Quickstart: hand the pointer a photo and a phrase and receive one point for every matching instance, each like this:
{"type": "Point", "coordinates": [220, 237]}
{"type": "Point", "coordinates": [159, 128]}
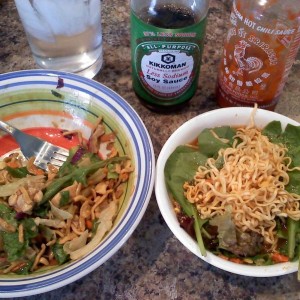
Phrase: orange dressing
{"type": "Point", "coordinates": [52, 135]}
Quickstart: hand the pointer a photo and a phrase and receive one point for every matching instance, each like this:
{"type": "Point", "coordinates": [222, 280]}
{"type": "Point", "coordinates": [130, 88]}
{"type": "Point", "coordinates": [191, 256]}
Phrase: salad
{"type": "Point", "coordinates": [48, 218]}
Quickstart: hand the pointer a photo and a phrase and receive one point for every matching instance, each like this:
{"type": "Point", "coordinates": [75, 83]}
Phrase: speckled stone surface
{"type": "Point", "coordinates": [153, 264]}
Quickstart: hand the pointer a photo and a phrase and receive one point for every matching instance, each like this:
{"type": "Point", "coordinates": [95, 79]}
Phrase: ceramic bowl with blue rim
{"type": "Point", "coordinates": [40, 99]}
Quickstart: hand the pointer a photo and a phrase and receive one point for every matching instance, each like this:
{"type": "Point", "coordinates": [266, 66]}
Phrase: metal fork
{"type": "Point", "coordinates": [31, 146]}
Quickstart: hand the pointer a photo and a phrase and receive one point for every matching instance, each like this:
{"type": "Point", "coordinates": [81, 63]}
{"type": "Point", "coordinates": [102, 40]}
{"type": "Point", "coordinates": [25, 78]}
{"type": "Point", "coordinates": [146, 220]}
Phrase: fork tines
{"type": "Point", "coordinates": [59, 157]}
{"type": "Point", "coordinates": [51, 154]}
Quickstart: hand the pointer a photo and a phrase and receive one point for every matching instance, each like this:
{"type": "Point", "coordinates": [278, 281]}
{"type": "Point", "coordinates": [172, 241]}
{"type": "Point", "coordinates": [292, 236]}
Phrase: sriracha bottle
{"type": "Point", "coordinates": [259, 51]}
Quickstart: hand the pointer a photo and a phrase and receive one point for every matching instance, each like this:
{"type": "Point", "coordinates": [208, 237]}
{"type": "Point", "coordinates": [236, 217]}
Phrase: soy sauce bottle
{"type": "Point", "coordinates": [166, 48]}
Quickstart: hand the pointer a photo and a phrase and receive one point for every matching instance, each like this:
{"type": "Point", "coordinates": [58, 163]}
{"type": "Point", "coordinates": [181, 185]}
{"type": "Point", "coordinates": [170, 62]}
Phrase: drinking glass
{"type": "Point", "coordinates": [64, 35]}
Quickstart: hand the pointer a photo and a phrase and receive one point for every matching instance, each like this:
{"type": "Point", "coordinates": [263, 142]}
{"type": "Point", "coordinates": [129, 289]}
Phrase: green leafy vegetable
{"type": "Point", "coordinates": [274, 132]}
{"type": "Point", "coordinates": [17, 172]}
{"type": "Point", "coordinates": [181, 167]}
{"type": "Point", "coordinates": [64, 199]}
{"type": "Point", "coordinates": [12, 246]}
{"type": "Point", "coordinates": [112, 174]}
{"type": "Point", "coordinates": [95, 226]}
{"type": "Point", "coordinates": [30, 228]}
{"type": "Point", "coordinates": [41, 210]}
{"type": "Point", "coordinates": [25, 268]}
{"type": "Point", "coordinates": [290, 138]}
{"type": "Point", "coordinates": [262, 260]}
{"type": "Point", "coordinates": [7, 214]}
{"type": "Point", "coordinates": [78, 174]}
{"type": "Point", "coordinates": [198, 224]}
{"type": "Point", "coordinates": [67, 166]}
{"type": "Point", "coordinates": [60, 255]}
{"type": "Point", "coordinates": [46, 232]}
{"type": "Point", "coordinates": [209, 145]}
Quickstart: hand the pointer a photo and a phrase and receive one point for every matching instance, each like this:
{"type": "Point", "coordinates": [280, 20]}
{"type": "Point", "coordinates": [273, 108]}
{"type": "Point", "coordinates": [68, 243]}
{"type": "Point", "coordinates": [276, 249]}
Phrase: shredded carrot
{"type": "Point", "coordinates": [89, 224]}
{"type": "Point", "coordinates": [13, 164]}
{"type": "Point", "coordinates": [53, 262]}
{"type": "Point", "coordinates": [278, 258]}
{"type": "Point", "coordinates": [223, 256]}
{"type": "Point", "coordinates": [236, 260]}
{"type": "Point", "coordinates": [109, 137]}
{"type": "Point", "coordinates": [38, 172]}
{"type": "Point", "coordinates": [18, 267]}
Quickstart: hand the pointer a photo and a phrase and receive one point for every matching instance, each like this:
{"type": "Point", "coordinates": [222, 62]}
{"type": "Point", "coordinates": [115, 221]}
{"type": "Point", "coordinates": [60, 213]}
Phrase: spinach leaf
{"type": "Point", "coordinates": [273, 131]}
{"type": "Point", "coordinates": [180, 167]}
{"type": "Point", "coordinates": [294, 179]}
{"type": "Point", "coordinates": [209, 145]}
{"type": "Point", "coordinates": [290, 137]}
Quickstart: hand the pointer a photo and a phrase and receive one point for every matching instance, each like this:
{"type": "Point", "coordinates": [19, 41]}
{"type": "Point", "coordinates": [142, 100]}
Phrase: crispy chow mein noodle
{"type": "Point", "coordinates": [78, 215]}
{"type": "Point", "coordinates": [251, 183]}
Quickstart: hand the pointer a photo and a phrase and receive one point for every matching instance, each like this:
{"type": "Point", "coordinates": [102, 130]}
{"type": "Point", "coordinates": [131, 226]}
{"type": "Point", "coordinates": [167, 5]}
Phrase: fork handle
{"type": "Point", "coordinates": [7, 128]}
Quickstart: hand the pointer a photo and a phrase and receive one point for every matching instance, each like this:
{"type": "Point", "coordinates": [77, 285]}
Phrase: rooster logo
{"type": "Point", "coordinates": [249, 64]}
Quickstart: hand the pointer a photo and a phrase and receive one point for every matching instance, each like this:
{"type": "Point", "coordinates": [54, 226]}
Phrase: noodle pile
{"type": "Point", "coordinates": [251, 183]}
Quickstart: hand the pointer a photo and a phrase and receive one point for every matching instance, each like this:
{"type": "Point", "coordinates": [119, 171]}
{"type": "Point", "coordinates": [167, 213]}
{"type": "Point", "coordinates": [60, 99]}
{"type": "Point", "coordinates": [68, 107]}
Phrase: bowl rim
{"type": "Point", "coordinates": [22, 286]}
{"type": "Point", "coordinates": [221, 116]}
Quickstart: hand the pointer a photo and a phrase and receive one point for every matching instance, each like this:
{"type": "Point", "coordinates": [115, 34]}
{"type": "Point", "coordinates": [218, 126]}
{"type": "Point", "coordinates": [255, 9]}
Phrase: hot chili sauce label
{"type": "Point", "coordinates": [256, 60]}
{"type": "Point", "coordinates": [166, 62]}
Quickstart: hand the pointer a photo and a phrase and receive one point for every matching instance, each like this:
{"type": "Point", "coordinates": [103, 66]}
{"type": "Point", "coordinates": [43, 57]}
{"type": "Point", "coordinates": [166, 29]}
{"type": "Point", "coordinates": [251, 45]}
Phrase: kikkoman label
{"type": "Point", "coordinates": [167, 69]}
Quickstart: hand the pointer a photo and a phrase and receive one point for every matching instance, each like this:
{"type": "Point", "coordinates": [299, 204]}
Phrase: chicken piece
{"type": "Point", "coordinates": [36, 195]}
{"type": "Point", "coordinates": [94, 141]}
{"type": "Point", "coordinates": [24, 200]}
{"type": "Point", "coordinates": [4, 177]}
{"type": "Point", "coordinates": [20, 203]}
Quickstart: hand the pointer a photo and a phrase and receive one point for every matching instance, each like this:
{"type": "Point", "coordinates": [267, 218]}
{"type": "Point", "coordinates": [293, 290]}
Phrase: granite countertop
{"type": "Point", "coordinates": [153, 264]}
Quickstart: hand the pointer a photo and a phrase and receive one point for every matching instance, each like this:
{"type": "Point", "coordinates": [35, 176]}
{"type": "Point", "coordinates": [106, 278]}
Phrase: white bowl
{"type": "Point", "coordinates": [36, 99]}
{"type": "Point", "coordinates": [188, 132]}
